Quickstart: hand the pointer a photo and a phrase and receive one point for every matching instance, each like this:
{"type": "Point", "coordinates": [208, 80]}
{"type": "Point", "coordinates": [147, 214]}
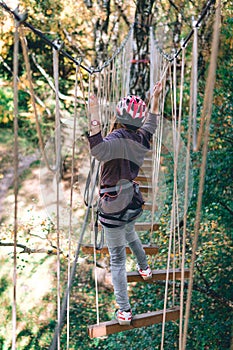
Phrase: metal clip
{"type": "Point", "coordinates": [58, 44]}
{"type": "Point", "coordinates": [20, 17]}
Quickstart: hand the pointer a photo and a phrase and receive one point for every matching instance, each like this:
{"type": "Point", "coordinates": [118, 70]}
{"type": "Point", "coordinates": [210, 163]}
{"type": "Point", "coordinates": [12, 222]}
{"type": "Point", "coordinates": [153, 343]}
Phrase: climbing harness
{"type": "Point", "coordinates": [120, 204]}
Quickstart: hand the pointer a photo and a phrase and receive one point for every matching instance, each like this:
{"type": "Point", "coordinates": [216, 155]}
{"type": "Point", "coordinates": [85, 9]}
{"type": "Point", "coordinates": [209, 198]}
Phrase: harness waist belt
{"type": "Point", "coordinates": [116, 188]}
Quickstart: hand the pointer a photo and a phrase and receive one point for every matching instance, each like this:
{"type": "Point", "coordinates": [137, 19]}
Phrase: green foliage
{"type": "Point", "coordinates": [26, 126]}
{"type": "Point", "coordinates": [4, 283]}
{"type": "Point", "coordinates": [6, 105]}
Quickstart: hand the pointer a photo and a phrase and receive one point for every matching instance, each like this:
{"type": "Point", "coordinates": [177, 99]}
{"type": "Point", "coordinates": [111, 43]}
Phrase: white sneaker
{"type": "Point", "coordinates": [124, 318]}
{"type": "Point", "coordinates": [145, 274]}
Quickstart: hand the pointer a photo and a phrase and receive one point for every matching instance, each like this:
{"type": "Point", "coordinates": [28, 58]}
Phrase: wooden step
{"type": "Point", "coordinates": [138, 321]}
{"type": "Point", "coordinates": [148, 206]}
{"type": "Point", "coordinates": [149, 249]}
{"type": "Point", "coordinates": [147, 160]}
{"type": "Point", "coordinates": [145, 189]}
{"type": "Point", "coordinates": [149, 156]}
{"type": "Point", "coordinates": [143, 179]}
{"type": "Point", "coordinates": [157, 275]}
{"type": "Point", "coordinates": [141, 226]}
{"type": "Point", "coordinates": [149, 153]}
{"type": "Point", "coordinates": [145, 171]}
{"type": "Point", "coordinates": [147, 166]}
{"type": "Point", "coordinates": [146, 226]}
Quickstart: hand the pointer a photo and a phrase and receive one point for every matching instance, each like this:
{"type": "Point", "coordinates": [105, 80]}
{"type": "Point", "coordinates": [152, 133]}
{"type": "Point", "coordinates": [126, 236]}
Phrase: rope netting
{"type": "Point", "coordinates": [109, 82]}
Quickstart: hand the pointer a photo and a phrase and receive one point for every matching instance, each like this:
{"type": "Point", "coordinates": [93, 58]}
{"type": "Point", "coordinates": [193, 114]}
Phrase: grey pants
{"type": "Point", "coordinates": [116, 239]}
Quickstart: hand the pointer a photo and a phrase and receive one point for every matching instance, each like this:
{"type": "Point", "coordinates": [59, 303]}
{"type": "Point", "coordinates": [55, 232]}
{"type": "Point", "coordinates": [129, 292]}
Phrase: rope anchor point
{"type": "Point", "coordinates": [20, 17]}
{"type": "Point", "coordinates": [58, 44]}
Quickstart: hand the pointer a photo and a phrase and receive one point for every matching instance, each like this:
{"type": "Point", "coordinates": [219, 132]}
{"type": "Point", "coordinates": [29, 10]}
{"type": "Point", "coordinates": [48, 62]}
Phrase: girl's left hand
{"type": "Point", "coordinates": [93, 101]}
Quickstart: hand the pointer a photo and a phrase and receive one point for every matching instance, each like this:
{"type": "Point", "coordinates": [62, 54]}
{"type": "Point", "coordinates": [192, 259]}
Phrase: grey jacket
{"type": "Point", "coordinates": [122, 151]}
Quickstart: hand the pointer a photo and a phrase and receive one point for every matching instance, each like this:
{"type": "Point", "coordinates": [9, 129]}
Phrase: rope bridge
{"type": "Point", "coordinates": [110, 82]}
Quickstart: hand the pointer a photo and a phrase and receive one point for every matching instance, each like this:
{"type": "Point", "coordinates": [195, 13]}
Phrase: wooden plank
{"type": "Point", "coordinates": [148, 206]}
{"type": "Point", "coordinates": [147, 160]}
{"type": "Point", "coordinates": [149, 156]}
{"type": "Point", "coordinates": [157, 275]}
{"type": "Point", "coordinates": [145, 226]}
{"type": "Point", "coordinates": [141, 226]}
{"type": "Point", "coordinates": [149, 249]}
{"type": "Point", "coordinates": [145, 189]}
{"type": "Point", "coordinates": [146, 166]}
{"type": "Point", "coordinates": [143, 178]}
{"type": "Point", "coordinates": [147, 172]}
{"type": "Point", "coordinates": [138, 321]}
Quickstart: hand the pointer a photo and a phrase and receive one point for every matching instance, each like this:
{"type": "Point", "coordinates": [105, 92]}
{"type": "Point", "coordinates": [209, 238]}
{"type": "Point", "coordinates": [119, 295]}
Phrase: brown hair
{"type": "Point", "coordinates": [116, 125]}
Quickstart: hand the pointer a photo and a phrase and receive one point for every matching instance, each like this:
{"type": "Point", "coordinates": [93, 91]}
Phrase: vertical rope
{"type": "Point", "coordinates": [16, 165]}
{"type": "Point", "coordinates": [94, 247]}
{"type": "Point", "coordinates": [96, 275]}
{"type": "Point", "coordinates": [92, 238]}
{"type": "Point", "coordinates": [194, 84]}
{"type": "Point", "coordinates": [93, 213]}
{"type": "Point", "coordinates": [167, 279]}
{"type": "Point", "coordinates": [83, 92]}
{"type": "Point", "coordinates": [185, 200]}
{"type": "Point", "coordinates": [152, 60]}
{"type": "Point", "coordinates": [108, 100]}
{"type": "Point", "coordinates": [122, 73]}
{"type": "Point", "coordinates": [113, 96]}
{"type": "Point", "coordinates": [171, 230]}
{"type": "Point", "coordinates": [33, 100]}
{"type": "Point", "coordinates": [208, 97]}
{"type": "Point", "coordinates": [184, 230]}
{"type": "Point", "coordinates": [175, 147]}
{"type": "Point", "coordinates": [157, 144]}
{"type": "Point", "coordinates": [208, 110]}
{"type": "Point", "coordinates": [117, 78]}
{"type": "Point", "coordinates": [128, 59]}
{"type": "Point", "coordinates": [71, 203]}
{"type": "Point", "coordinates": [178, 140]}
{"type": "Point", "coordinates": [157, 137]}
{"type": "Point", "coordinates": [105, 99]}
{"type": "Point", "coordinates": [58, 163]}
{"type": "Point", "coordinates": [100, 95]}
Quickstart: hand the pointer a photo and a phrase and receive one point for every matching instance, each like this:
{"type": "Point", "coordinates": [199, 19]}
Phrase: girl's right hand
{"type": "Point", "coordinates": [157, 89]}
{"type": "Point", "coordinates": [155, 97]}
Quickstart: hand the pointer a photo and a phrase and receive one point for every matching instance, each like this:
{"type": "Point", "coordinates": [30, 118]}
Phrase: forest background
{"type": "Point", "coordinates": [92, 30]}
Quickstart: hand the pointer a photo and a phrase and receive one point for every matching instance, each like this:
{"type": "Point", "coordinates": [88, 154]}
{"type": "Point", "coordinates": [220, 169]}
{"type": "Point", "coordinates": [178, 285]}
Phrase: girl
{"type": "Point", "coordinates": [122, 152]}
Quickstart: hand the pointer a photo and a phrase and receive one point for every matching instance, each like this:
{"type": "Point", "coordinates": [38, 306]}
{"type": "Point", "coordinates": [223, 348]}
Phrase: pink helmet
{"type": "Point", "coordinates": [131, 110]}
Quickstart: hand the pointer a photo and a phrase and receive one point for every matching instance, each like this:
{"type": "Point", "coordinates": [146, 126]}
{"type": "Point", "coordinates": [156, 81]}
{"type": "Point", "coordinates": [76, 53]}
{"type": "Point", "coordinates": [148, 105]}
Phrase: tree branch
{"type": "Point", "coordinates": [178, 10]}
{"type": "Point", "coordinates": [72, 44]}
{"type": "Point", "coordinates": [28, 250]}
{"type": "Point", "coordinates": [121, 11]}
{"type": "Point", "coordinates": [226, 207]}
{"type": "Point", "coordinates": [208, 292]}
{"type": "Point", "coordinates": [51, 84]}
